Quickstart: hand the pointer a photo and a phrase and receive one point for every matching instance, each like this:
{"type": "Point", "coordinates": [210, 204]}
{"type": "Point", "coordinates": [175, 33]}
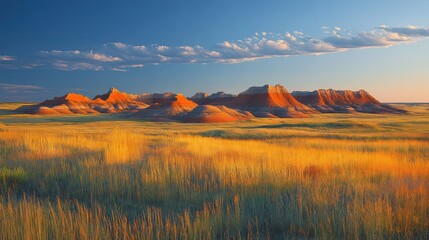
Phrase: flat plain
{"type": "Point", "coordinates": [111, 176]}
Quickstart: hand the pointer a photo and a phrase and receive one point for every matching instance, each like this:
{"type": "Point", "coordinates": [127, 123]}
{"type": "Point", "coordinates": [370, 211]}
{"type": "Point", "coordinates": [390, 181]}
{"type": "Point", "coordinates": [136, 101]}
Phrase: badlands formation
{"type": "Point", "coordinates": [271, 101]}
{"type": "Point", "coordinates": [264, 101]}
{"type": "Point", "coordinates": [171, 106]}
{"type": "Point", "coordinates": [111, 102]}
{"type": "Point", "coordinates": [331, 101]}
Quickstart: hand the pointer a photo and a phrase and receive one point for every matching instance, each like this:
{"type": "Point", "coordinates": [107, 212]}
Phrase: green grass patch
{"type": "Point", "coordinates": [12, 177]}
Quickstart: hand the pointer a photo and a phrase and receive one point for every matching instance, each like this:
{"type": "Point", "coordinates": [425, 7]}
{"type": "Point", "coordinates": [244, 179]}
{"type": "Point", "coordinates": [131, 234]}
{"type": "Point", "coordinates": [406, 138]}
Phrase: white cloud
{"type": "Point", "coordinates": [162, 48]}
{"type": "Point", "coordinates": [119, 70]}
{"type": "Point", "coordinates": [119, 56]}
{"type": "Point", "coordinates": [119, 45]}
{"type": "Point", "coordinates": [79, 60]}
{"type": "Point", "coordinates": [280, 45]}
{"type": "Point", "coordinates": [411, 31]}
{"type": "Point", "coordinates": [102, 57]}
{"type": "Point", "coordinates": [71, 66]}
{"type": "Point", "coordinates": [133, 66]}
{"type": "Point", "coordinates": [188, 51]}
{"type": "Point", "coordinates": [82, 55]}
{"type": "Point", "coordinates": [6, 58]}
{"type": "Point", "coordinates": [376, 38]}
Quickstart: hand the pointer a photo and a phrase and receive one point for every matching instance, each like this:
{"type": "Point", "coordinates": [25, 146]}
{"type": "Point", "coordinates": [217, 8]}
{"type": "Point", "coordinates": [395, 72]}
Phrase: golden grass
{"type": "Point", "coordinates": [269, 178]}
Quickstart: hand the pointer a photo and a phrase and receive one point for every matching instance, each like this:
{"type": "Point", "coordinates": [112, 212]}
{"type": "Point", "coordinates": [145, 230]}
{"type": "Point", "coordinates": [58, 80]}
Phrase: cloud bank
{"type": "Point", "coordinates": [121, 56]}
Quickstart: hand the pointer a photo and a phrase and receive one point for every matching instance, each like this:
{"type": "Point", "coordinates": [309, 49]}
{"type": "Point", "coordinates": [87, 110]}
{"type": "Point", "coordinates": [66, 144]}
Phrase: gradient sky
{"type": "Point", "coordinates": [51, 47]}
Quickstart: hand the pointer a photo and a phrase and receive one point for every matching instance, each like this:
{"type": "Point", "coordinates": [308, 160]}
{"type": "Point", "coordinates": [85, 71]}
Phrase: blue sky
{"type": "Point", "coordinates": [48, 48]}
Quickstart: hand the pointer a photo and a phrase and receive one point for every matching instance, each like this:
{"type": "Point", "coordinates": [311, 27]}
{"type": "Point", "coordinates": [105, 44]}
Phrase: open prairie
{"type": "Point", "coordinates": [108, 176]}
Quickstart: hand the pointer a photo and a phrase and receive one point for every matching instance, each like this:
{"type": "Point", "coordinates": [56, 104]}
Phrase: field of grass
{"type": "Point", "coordinates": [332, 176]}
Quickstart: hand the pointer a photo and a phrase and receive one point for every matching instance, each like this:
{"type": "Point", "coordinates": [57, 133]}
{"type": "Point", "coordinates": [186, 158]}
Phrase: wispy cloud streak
{"type": "Point", "coordinates": [18, 88]}
{"type": "Point", "coordinates": [6, 58]}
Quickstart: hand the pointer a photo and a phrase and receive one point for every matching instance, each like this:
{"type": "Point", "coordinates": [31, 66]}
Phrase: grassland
{"type": "Point", "coordinates": [332, 176]}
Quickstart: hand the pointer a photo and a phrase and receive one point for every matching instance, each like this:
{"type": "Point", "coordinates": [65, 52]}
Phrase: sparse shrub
{"type": "Point", "coordinates": [312, 171]}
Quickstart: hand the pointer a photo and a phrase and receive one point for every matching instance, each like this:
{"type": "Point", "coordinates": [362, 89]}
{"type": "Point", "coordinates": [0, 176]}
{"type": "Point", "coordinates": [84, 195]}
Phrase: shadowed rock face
{"type": "Point", "coordinates": [200, 98]}
{"type": "Point", "coordinates": [111, 102]}
{"type": "Point", "coordinates": [331, 101]}
{"type": "Point", "coordinates": [214, 114]}
{"type": "Point", "coordinates": [177, 106]}
{"type": "Point", "coordinates": [153, 98]}
{"type": "Point", "coordinates": [219, 98]}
